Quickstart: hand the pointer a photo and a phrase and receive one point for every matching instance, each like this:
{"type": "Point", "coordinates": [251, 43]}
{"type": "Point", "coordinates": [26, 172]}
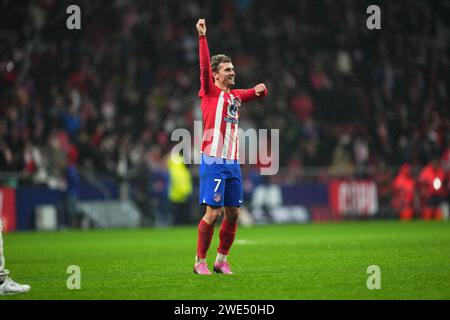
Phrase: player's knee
{"type": "Point", "coordinates": [232, 213]}
{"type": "Point", "coordinates": [213, 213]}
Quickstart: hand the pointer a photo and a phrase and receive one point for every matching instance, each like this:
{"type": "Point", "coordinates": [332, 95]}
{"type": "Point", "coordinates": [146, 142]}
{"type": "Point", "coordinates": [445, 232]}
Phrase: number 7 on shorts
{"type": "Point", "coordinates": [218, 184]}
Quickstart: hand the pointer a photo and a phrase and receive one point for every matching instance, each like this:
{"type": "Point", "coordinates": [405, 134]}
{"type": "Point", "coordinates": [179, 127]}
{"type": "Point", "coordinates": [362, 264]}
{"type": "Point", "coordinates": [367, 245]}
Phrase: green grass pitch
{"type": "Point", "coordinates": [295, 262]}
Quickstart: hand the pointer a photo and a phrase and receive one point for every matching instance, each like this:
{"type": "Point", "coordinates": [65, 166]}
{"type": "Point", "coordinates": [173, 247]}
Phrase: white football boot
{"type": "Point", "coordinates": [9, 287]}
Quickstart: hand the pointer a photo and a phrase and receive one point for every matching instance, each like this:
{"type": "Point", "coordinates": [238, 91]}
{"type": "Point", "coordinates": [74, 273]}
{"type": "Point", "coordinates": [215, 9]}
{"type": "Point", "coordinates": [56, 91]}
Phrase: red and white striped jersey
{"type": "Point", "coordinates": [220, 111]}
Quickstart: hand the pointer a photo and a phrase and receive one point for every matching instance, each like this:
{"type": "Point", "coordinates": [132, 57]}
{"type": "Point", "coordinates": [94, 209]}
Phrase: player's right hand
{"type": "Point", "coordinates": [201, 27]}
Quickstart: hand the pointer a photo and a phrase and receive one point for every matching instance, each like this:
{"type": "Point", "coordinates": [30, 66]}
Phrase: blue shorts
{"type": "Point", "coordinates": [220, 182]}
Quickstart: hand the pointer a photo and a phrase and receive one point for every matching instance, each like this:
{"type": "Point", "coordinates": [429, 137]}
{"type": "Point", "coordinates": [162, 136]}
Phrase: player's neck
{"type": "Point", "coordinates": [223, 87]}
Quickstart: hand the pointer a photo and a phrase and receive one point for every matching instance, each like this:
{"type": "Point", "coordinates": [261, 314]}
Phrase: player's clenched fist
{"type": "Point", "coordinates": [201, 27]}
{"type": "Point", "coordinates": [260, 88]}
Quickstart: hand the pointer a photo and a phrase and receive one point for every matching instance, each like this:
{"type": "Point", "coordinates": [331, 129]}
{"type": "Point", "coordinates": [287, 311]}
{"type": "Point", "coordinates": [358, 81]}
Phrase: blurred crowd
{"type": "Point", "coordinates": [107, 97]}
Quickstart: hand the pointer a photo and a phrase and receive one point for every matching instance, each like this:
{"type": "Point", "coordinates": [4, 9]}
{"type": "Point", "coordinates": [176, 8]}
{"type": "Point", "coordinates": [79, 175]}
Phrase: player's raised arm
{"type": "Point", "coordinates": [258, 91]}
{"type": "Point", "coordinates": [206, 79]}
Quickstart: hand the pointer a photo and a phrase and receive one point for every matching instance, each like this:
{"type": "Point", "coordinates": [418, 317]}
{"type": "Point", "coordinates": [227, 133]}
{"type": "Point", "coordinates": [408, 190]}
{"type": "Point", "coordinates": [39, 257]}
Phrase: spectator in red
{"type": "Point", "coordinates": [432, 191]}
{"type": "Point", "coordinates": [403, 193]}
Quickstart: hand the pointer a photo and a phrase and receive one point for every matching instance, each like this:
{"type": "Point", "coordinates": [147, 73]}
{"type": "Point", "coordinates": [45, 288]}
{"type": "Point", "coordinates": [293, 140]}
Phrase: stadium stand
{"type": "Point", "coordinates": [101, 102]}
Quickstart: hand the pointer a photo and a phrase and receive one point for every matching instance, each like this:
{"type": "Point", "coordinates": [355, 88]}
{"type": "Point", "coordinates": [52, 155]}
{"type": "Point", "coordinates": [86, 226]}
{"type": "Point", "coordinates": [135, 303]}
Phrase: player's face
{"type": "Point", "coordinates": [225, 75]}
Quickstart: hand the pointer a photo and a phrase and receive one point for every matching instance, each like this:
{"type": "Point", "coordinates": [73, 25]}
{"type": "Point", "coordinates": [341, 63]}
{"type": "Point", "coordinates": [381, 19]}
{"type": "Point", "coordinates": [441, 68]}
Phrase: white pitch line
{"type": "Point", "coordinates": [245, 242]}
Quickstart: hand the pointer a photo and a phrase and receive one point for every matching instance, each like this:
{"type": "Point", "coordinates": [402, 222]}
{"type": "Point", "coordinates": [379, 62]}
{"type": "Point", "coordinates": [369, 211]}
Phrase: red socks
{"type": "Point", "coordinates": [227, 234]}
{"type": "Point", "coordinates": [205, 233]}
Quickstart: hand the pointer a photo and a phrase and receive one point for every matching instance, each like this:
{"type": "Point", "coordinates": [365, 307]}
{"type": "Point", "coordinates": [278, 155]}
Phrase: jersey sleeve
{"type": "Point", "coordinates": [249, 94]}
{"type": "Point", "coordinates": [206, 79]}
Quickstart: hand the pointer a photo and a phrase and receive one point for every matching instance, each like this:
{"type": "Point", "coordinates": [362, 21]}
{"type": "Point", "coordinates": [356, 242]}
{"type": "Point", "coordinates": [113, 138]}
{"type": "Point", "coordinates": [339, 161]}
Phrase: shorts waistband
{"type": "Point", "coordinates": [216, 160]}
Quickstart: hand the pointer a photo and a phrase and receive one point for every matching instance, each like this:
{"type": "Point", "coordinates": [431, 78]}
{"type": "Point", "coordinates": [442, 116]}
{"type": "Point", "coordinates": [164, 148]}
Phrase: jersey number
{"type": "Point", "coordinates": [218, 183]}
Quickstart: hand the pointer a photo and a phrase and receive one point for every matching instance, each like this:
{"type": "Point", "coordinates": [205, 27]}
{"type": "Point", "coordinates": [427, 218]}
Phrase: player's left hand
{"type": "Point", "coordinates": [259, 89]}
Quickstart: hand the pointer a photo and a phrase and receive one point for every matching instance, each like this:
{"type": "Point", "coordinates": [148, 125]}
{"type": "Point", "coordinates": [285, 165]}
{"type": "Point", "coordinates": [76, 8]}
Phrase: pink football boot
{"type": "Point", "coordinates": [201, 268]}
{"type": "Point", "coordinates": [222, 267]}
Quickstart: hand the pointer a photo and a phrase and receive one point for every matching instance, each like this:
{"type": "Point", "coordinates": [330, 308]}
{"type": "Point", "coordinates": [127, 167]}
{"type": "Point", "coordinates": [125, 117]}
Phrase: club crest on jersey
{"type": "Point", "coordinates": [233, 110]}
{"type": "Point", "coordinates": [217, 197]}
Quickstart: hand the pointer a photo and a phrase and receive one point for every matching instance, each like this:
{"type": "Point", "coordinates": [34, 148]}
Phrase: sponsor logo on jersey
{"type": "Point", "coordinates": [231, 120]}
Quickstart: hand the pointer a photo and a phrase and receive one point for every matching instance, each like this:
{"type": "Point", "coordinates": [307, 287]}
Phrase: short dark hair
{"type": "Point", "coordinates": [218, 59]}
